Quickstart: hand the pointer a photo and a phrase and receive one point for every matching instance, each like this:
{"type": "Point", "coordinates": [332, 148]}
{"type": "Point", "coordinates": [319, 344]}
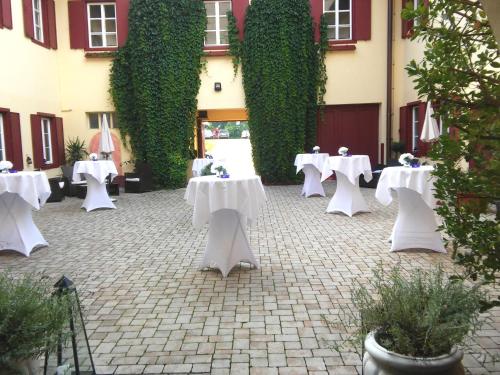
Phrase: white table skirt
{"type": "Point", "coordinates": [227, 205]}
{"type": "Point", "coordinates": [311, 165]}
{"type": "Point", "coordinates": [95, 173]}
{"type": "Point", "coordinates": [20, 193]}
{"type": "Point", "coordinates": [348, 198]}
{"type": "Point", "coordinates": [416, 226]}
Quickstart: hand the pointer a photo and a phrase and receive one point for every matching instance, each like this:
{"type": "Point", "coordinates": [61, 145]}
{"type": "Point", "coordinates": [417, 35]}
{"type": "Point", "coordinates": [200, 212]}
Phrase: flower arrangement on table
{"type": "Point", "coordinates": [316, 149]}
{"type": "Point", "coordinates": [5, 165]}
{"type": "Point", "coordinates": [408, 160]}
{"type": "Point", "coordinates": [93, 156]}
{"type": "Point", "coordinates": [221, 171]}
{"type": "Point", "coordinates": [344, 151]}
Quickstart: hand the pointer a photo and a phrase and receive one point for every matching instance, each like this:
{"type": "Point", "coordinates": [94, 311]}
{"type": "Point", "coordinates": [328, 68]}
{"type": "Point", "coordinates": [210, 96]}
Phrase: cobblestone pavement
{"type": "Point", "coordinates": [150, 310]}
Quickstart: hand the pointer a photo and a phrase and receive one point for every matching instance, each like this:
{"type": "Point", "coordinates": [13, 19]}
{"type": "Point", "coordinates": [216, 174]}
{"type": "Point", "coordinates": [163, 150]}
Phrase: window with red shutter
{"type": "Point", "coordinates": [10, 138]}
{"type": "Point", "coordinates": [5, 14]}
{"type": "Point", "coordinates": [98, 25]}
{"type": "Point", "coordinates": [348, 20]}
{"type": "Point", "coordinates": [407, 25]}
{"type": "Point", "coordinates": [40, 22]}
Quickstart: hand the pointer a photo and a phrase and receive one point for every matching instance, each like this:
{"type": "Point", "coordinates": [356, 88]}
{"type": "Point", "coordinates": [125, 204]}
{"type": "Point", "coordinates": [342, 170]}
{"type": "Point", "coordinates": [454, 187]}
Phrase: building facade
{"type": "Point", "coordinates": [57, 54]}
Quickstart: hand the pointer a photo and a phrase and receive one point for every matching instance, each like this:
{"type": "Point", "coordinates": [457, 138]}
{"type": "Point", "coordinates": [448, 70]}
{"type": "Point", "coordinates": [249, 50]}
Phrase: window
{"type": "Point", "coordinates": [415, 7]}
{"type": "Point", "coordinates": [338, 18]}
{"type": "Point", "coordinates": [217, 29]}
{"type": "Point", "coordinates": [46, 141]}
{"type": "Point", "coordinates": [102, 25]}
{"type": "Point", "coordinates": [37, 20]}
{"type": "Point", "coordinates": [95, 119]}
{"type": "Point", "coordinates": [3, 155]}
{"type": "Point", "coordinates": [414, 127]}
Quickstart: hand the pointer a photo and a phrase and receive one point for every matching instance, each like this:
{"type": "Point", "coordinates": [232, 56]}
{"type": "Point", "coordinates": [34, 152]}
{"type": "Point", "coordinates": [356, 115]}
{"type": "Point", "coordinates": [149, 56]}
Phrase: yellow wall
{"type": "Point", "coordinates": [69, 84]}
{"type": "Point", "coordinates": [405, 50]}
{"type": "Point", "coordinates": [29, 78]}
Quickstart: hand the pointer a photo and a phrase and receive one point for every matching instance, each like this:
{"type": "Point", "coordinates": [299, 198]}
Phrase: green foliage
{"type": "Point", "coordinates": [207, 170]}
{"type": "Point", "coordinates": [31, 319]}
{"type": "Point", "coordinates": [323, 49]}
{"type": "Point", "coordinates": [155, 80]}
{"type": "Point", "coordinates": [422, 316]}
{"type": "Point", "coordinates": [234, 41]}
{"type": "Point", "coordinates": [460, 73]}
{"type": "Point", "coordinates": [75, 150]}
{"type": "Point", "coordinates": [398, 148]}
{"type": "Point", "coordinates": [280, 64]}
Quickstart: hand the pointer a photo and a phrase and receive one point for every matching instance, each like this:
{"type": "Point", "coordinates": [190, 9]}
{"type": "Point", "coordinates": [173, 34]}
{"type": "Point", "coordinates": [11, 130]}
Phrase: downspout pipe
{"type": "Point", "coordinates": [390, 32]}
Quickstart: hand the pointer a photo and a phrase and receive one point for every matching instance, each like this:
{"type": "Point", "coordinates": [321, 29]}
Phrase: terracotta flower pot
{"type": "Point", "coordinates": [380, 361]}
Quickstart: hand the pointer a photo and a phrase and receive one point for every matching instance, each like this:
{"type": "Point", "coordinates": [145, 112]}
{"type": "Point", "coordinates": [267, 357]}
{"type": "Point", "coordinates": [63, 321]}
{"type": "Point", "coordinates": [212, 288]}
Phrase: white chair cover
{"type": "Point", "coordinates": [416, 226]}
{"type": "Point", "coordinates": [348, 198]}
{"type": "Point", "coordinates": [311, 165]}
{"type": "Point", "coordinates": [227, 205]}
{"type": "Point", "coordinates": [19, 194]}
{"type": "Point", "coordinates": [96, 173]}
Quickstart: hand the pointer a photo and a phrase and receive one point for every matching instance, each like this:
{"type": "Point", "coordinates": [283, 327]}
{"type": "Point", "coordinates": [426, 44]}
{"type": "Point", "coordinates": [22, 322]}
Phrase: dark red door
{"type": "Point", "coordinates": [354, 126]}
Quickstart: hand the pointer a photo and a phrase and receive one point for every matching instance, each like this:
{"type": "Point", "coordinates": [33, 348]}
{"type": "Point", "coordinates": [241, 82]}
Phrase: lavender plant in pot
{"type": "Point", "coordinates": [31, 323]}
{"type": "Point", "coordinates": [415, 325]}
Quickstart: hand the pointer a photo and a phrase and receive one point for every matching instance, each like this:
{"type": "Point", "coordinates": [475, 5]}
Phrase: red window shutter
{"type": "Point", "coordinates": [36, 139]}
{"type": "Point", "coordinates": [28, 18]}
{"type": "Point", "coordinates": [406, 25]}
{"type": "Point", "coordinates": [362, 19]}
{"type": "Point", "coordinates": [13, 141]}
{"type": "Point", "coordinates": [122, 7]}
{"type": "Point", "coordinates": [316, 13]}
{"type": "Point", "coordinates": [5, 14]}
{"type": "Point", "coordinates": [51, 20]}
{"type": "Point", "coordinates": [239, 8]}
{"type": "Point", "coordinates": [77, 24]}
{"type": "Point", "coordinates": [60, 140]}
{"type": "Point", "coordinates": [54, 142]}
{"type": "Point", "coordinates": [405, 127]}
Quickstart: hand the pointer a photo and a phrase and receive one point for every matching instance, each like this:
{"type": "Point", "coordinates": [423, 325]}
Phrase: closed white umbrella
{"type": "Point", "coordinates": [106, 145]}
{"type": "Point", "coordinates": [430, 130]}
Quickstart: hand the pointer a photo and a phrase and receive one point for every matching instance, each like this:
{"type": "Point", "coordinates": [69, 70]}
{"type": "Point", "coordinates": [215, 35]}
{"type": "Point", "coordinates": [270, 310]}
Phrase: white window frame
{"type": "Point", "coordinates": [37, 27]}
{"type": "Point", "coordinates": [3, 153]}
{"type": "Point", "coordinates": [104, 32]}
{"type": "Point", "coordinates": [217, 17]}
{"type": "Point", "coordinates": [336, 27]}
{"type": "Point", "coordinates": [45, 122]}
{"type": "Point", "coordinates": [110, 116]}
{"type": "Point", "coordinates": [415, 120]}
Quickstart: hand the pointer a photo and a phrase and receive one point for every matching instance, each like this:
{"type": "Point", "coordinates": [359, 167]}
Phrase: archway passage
{"type": "Point", "coordinates": [226, 138]}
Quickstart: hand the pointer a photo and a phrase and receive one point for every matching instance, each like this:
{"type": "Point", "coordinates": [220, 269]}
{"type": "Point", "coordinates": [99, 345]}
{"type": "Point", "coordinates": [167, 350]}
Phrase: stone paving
{"type": "Point", "coordinates": [150, 310]}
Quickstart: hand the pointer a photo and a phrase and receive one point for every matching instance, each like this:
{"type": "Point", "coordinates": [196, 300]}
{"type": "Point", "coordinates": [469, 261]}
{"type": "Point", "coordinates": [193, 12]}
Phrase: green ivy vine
{"type": "Point", "coordinates": [234, 41]}
{"type": "Point", "coordinates": [155, 80]}
{"type": "Point", "coordinates": [322, 50]}
{"type": "Point", "coordinates": [280, 78]}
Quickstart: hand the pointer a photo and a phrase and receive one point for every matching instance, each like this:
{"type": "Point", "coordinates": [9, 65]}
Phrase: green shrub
{"type": "Point", "coordinates": [422, 316]}
{"type": "Point", "coordinates": [75, 150]}
{"type": "Point", "coordinates": [31, 319]}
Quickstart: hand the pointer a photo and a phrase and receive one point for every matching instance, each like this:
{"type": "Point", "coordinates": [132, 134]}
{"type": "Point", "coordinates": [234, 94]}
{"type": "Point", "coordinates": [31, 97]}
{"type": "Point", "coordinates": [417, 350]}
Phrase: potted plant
{"type": "Point", "coordinates": [75, 150]}
{"type": "Point", "coordinates": [415, 325]}
{"type": "Point", "coordinates": [31, 323]}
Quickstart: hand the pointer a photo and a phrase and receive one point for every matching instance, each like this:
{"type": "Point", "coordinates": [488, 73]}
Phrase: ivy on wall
{"type": "Point", "coordinates": [280, 77]}
{"type": "Point", "coordinates": [155, 80]}
{"type": "Point", "coordinates": [234, 41]}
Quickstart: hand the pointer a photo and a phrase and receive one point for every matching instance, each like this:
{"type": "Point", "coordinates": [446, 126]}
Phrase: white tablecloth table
{"type": "Point", "coordinates": [199, 164]}
{"type": "Point", "coordinates": [228, 205]}
{"type": "Point", "coordinates": [347, 198]}
{"type": "Point", "coordinates": [20, 193]}
{"type": "Point", "coordinates": [95, 173]}
{"type": "Point", "coordinates": [416, 226]}
{"type": "Point", "coordinates": [311, 165]}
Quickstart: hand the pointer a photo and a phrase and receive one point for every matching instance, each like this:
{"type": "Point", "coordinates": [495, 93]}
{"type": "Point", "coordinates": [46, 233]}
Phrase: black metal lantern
{"type": "Point", "coordinates": [66, 287]}
{"type": "Point", "coordinates": [218, 86]}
